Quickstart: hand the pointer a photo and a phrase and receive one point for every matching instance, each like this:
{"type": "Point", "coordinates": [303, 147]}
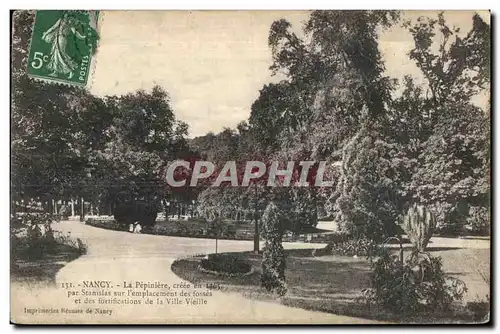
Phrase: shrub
{"type": "Point", "coordinates": [365, 201]}
{"type": "Point", "coordinates": [184, 230]}
{"type": "Point", "coordinates": [480, 311]}
{"type": "Point", "coordinates": [32, 237]}
{"type": "Point", "coordinates": [335, 237]}
{"type": "Point", "coordinates": [31, 234]}
{"type": "Point", "coordinates": [35, 242]}
{"type": "Point", "coordinates": [109, 224]}
{"type": "Point", "coordinates": [189, 229]}
{"type": "Point", "coordinates": [298, 209]}
{"type": "Point", "coordinates": [228, 230]}
{"type": "Point", "coordinates": [226, 264]}
{"type": "Point", "coordinates": [419, 224]}
{"type": "Point", "coordinates": [392, 285]}
{"type": "Point", "coordinates": [196, 229]}
{"type": "Point", "coordinates": [326, 218]}
{"type": "Point", "coordinates": [418, 284]}
{"type": "Point", "coordinates": [132, 211]}
{"type": "Point", "coordinates": [437, 291]}
{"type": "Point", "coordinates": [64, 211]}
{"type": "Point", "coordinates": [66, 239]}
{"type": "Point", "coordinates": [462, 219]}
{"type": "Point", "coordinates": [478, 220]}
{"type": "Point", "coordinates": [273, 258]}
{"type": "Point", "coordinates": [351, 247]}
{"type": "Point", "coordinates": [215, 228]}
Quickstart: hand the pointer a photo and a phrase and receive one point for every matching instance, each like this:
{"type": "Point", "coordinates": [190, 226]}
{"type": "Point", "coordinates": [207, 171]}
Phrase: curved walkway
{"type": "Point", "coordinates": [120, 257]}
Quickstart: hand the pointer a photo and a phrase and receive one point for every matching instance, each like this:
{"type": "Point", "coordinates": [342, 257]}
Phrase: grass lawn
{"type": "Point", "coordinates": [42, 272]}
{"type": "Point", "coordinates": [333, 283]}
{"type": "Point", "coordinates": [467, 265]}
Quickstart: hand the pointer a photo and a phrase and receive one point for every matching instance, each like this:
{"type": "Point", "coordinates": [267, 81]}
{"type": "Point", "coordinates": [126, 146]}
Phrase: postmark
{"type": "Point", "coordinates": [62, 47]}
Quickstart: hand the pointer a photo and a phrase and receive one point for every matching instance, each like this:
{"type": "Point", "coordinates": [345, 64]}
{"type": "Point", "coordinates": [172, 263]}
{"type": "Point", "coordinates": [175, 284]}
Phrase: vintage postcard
{"type": "Point", "coordinates": [250, 167]}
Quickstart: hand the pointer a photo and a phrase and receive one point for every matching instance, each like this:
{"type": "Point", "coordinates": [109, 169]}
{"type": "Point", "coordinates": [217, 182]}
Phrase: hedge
{"type": "Point", "coordinates": [188, 229]}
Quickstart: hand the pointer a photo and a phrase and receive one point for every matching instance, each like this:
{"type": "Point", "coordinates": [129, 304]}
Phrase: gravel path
{"type": "Point", "coordinates": [122, 258]}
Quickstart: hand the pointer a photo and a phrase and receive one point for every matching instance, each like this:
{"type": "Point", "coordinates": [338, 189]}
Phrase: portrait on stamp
{"type": "Point", "coordinates": [62, 46]}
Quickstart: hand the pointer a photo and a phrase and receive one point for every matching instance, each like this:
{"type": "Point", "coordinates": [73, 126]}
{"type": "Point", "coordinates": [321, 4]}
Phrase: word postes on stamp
{"type": "Point", "coordinates": [62, 46]}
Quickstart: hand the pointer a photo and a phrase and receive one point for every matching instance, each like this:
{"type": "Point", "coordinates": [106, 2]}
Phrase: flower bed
{"type": "Point", "coordinates": [225, 265]}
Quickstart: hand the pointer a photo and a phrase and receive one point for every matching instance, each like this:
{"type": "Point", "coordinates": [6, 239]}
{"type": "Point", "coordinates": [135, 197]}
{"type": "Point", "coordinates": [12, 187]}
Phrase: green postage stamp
{"type": "Point", "coordinates": [62, 46]}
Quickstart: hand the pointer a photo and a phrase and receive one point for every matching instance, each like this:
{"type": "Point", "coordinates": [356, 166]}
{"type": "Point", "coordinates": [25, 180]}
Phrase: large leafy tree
{"type": "Point", "coordinates": [67, 143]}
{"type": "Point", "coordinates": [334, 80]}
{"type": "Point", "coordinates": [141, 139]}
{"type": "Point", "coordinates": [331, 72]}
{"type": "Point", "coordinates": [442, 137]}
{"type": "Point", "coordinates": [46, 162]}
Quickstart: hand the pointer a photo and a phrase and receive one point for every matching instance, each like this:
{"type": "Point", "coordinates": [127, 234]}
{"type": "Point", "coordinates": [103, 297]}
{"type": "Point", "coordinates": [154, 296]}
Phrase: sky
{"type": "Point", "coordinates": [213, 63]}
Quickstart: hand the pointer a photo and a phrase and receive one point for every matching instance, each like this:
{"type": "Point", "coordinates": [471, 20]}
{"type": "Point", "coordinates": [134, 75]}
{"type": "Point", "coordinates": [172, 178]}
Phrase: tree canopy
{"type": "Point", "coordinates": [387, 143]}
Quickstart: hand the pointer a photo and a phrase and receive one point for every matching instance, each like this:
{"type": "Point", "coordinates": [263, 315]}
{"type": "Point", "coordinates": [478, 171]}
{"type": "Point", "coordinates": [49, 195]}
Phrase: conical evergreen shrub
{"type": "Point", "coordinates": [273, 258]}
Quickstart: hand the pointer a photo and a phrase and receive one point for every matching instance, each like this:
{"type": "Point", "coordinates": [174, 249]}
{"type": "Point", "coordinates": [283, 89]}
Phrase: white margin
{"type": "Point", "coordinates": [200, 4]}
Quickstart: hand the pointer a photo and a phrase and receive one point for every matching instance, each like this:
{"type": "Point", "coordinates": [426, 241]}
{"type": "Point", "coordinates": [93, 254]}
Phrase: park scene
{"type": "Point", "coordinates": [400, 233]}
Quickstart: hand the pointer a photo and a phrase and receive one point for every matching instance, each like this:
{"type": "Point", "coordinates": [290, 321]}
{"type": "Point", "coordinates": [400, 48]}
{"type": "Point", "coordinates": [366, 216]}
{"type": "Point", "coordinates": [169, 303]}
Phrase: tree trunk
{"type": "Point", "coordinates": [256, 236]}
{"type": "Point", "coordinates": [165, 208]}
{"type": "Point", "coordinates": [256, 246]}
{"type": "Point", "coordinates": [82, 208]}
{"type": "Point", "coordinates": [164, 205]}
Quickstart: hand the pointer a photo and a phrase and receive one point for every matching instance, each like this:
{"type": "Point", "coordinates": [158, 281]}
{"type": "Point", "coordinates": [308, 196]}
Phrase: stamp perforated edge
{"type": "Point", "coordinates": [93, 62]}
